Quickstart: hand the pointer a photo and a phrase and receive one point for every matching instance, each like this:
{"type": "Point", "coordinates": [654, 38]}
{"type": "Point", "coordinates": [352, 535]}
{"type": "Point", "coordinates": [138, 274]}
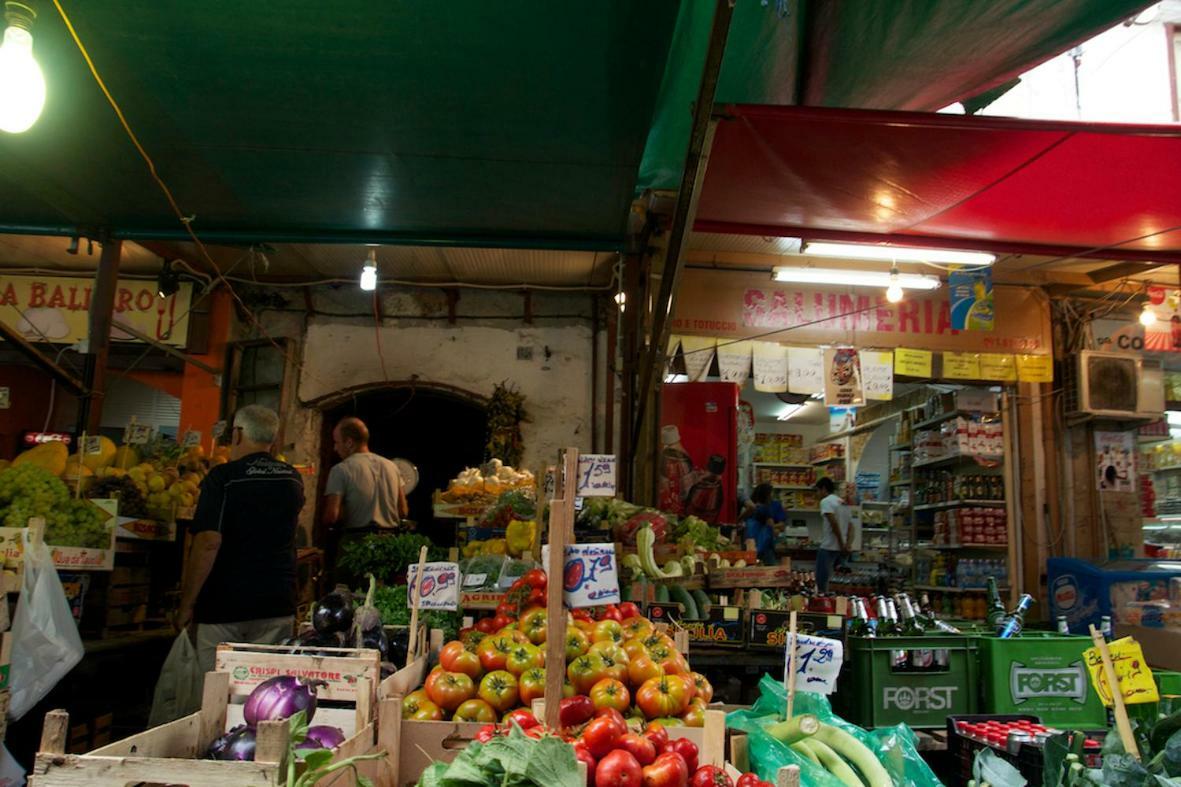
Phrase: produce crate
{"type": "Point", "coordinates": [882, 696]}
{"type": "Point", "coordinates": [722, 628]}
{"type": "Point", "coordinates": [767, 629]}
{"type": "Point", "coordinates": [961, 750]}
{"type": "Point", "coordinates": [750, 577]}
{"type": "Point", "coordinates": [1043, 673]}
{"type": "Point", "coordinates": [168, 754]}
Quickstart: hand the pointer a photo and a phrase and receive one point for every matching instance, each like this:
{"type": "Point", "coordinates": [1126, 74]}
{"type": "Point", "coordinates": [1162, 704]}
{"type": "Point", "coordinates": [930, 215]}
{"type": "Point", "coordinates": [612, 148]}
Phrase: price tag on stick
{"type": "Point", "coordinates": [192, 439]}
{"type": "Point", "coordinates": [818, 662]}
{"type": "Point", "coordinates": [596, 475]}
{"type": "Point", "coordinates": [91, 445]}
{"type": "Point", "coordinates": [440, 586]}
{"type": "Point", "coordinates": [590, 576]}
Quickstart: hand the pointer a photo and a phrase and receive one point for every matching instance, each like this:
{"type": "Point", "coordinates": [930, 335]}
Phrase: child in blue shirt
{"type": "Point", "coordinates": [761, 524]}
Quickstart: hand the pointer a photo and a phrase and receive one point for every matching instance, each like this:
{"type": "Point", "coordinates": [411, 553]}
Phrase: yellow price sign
{"type": "Point", "coordinates": [912, 363]}
{"type": "Point", "coordinates": [961, 366]}
{"type": "Point", "coordinates": [998, 366]}
{"type": "Point", "coordinates": [1035, 369]}
{"type": "Point", "coordinates": [1131, 672]}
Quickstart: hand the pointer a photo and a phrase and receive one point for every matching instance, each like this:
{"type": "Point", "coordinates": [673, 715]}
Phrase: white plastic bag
{"type": "Point", "coordinates": [178, 690]}
{"type": "Point", "coordinates": [11, 773]}
{"type": "Point", "coordinates": [45, 640]}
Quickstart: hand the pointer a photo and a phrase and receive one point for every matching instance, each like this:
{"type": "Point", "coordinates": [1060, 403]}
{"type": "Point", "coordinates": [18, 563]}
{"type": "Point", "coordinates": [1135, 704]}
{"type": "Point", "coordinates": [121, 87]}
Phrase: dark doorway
{"type": "Point", "coordinates": [440, 432]}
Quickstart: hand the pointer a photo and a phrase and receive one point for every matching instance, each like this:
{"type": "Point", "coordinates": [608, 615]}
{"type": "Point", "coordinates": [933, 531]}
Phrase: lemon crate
{"type": "Point", "coordinates": [168, 754]}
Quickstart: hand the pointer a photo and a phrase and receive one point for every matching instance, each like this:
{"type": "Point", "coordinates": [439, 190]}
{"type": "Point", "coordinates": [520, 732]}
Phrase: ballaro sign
{"type": "Point", "coordinates": [56, 309]}
{"type": "Point", "coordinates": [729, 304]}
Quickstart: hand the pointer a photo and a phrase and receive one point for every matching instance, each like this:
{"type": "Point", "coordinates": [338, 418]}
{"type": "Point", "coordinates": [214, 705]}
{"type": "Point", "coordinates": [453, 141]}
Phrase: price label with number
{"type": "Point", "coordinates": [219, 429]}
{"type": "Point", "coordinates": [92, 445]}
{"type": "Point", "coordinates": [192, 439]}
{"type": "Point", "coordinates": [137, 434]}
{"type": "Point", "coordinates": [590, 576]}
{"type": "Point", "coordinates": [818, 662]}
{"type": "Point", "coordinates": [596, 475]}
{"type": "Point", "coordinates": [440, 586]}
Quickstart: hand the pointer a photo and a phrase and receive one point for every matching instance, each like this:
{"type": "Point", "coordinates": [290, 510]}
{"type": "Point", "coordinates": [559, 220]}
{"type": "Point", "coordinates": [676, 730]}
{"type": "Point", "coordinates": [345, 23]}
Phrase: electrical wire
{"type": "Point", "coordinates": [53, 390]}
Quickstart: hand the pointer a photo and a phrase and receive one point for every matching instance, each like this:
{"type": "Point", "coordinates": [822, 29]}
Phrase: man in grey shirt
{"type": "Point", "coordinates": [364, 493]}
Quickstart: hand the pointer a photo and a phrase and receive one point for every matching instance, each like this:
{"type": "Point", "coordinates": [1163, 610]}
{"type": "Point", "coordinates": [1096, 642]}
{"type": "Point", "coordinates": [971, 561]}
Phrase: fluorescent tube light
{"type": "Point", "coordinates": [908, 281]}
{"type": "Point", "coordinates": [862, 251]}
{"type": "Point", "coordinates": [789, 411]}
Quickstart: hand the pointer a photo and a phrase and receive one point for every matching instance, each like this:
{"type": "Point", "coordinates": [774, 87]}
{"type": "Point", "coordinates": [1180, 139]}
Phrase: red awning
{"type": "Point", "coordinates": [998, 184]}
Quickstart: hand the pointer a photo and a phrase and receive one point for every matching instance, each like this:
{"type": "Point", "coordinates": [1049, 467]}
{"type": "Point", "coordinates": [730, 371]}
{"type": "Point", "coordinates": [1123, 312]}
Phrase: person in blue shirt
{"type": "Point", "coordinates": [762, 522]}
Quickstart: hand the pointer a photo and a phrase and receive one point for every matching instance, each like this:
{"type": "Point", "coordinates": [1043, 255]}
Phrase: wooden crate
{"type": "Point", "coordinates": [167, 754]}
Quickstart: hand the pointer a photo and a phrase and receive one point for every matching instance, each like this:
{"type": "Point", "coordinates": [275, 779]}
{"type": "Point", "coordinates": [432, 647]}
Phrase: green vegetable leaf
{"type": "Point", "coordinates": [317, 758]}
{"type": "Point", "coordinates": [298, 726]}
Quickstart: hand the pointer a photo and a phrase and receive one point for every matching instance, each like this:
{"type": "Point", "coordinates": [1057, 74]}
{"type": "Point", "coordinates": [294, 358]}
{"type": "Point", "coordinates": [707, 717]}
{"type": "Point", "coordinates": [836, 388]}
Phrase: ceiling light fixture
{"type": "Point", "coordinates": [789, 411]}
{"type": "Point", "coordinates": [369, 272]}
{"type": "Point", "coordinates": [894, 291]}
{"type": "Point", "coordinates": [1147, 315]}
{"type": "Point", "coordinates": [168, 282]}
{"type": "Point", "coordinates": [22, 85]}
{"type": "Point", "coordinates": [863, 251]}
{"type": "Point", "coordinates": [908, 281]}
{"type": "Point", "coordinates": [621, 300]}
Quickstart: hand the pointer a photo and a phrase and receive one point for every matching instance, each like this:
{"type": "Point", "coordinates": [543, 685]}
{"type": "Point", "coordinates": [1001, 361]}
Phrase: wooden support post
{"type": "Point", "coordinates": [53, 732]}
{"type": "Point", "coordinates": [102, 309]}
{"type": "Point", "coordinates": [41, 360]}
{"type": "Point", "coordinates": [561, 533]}
{"type": "Point", "coordinates": [412, 648]}
{"type": "Point", "coordinates": [1121, 712]}
{"type": "Point", "coordinates": [791, 664]}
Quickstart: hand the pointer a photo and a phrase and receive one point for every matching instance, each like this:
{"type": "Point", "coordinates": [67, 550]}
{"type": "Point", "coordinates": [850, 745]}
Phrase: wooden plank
{"type": "Point", "coordinates": [389, 740]}
{"type": "Point", "coordinates": [214, 701]}
{"type": "Point", "coordinates": [177, 739]}
{"type": "Point", "coordinates": [102, 309]}
{"type": "Point", "coordinates": [79, 770]}
{"type": "Point", "coordinates": [365, 703]}
{"type": "Point", "coordinates": [561, 529]}
{"type": "Point", "coordinates": [361, 743]}
{"type": "Point", "coordinates": [249, 665]}
{"type": "Point", "coordinates": [713, 744]}
{"type": "Point", "coordinates": [53, 732]}
{"type": "Point", "coordinates": [271, 742]}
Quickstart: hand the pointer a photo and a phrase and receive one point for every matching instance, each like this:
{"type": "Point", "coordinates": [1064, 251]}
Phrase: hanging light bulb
{"type": "Point", "coordinates": [22, 85]}
{"type": "Point", "coordinates": [369, 272]}
{"type": "Point", "coordinates": [621, 300]}
{"type": "Point", "coordinates": [1147, 315]}
{"type": "Point", "coordinates": [894, 291]}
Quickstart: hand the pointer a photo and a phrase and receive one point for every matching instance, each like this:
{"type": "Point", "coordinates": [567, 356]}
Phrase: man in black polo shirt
{"type": "Point", "coordinates": [239, 584]}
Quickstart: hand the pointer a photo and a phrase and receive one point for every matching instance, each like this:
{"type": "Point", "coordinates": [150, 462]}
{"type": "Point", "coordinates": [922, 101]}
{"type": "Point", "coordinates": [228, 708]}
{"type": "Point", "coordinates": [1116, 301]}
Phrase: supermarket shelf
{"type": "Point", "coordinates": [1156, 438]}
{"type": "Point", "coordinates": [957, 503]}
{"type": "Point", "coordinates": [956, 458]}
{"type": "Point", "coordinates": [877, 529]}
{"type": "Point", "coordinates": [795, 488]}
{"type": "Point", "coordinates": [1170, 468]}
{"type": "Point", "coordinates": [779, 464]}
{"type": "Point", "coordinates": [945, 417]}
{"type": "Point", "coordinates": [968, 546]}
{"type": "Point", "coordinates": [1165, 522]}
{"type": "Point", "coordinates": [828, 461]}
{"type": "Point", "coordinates": [941, 589]}
{"type": "Point", "coordinates": [877, 503]}
{"type": "Point", "coordinates": [802, 510]}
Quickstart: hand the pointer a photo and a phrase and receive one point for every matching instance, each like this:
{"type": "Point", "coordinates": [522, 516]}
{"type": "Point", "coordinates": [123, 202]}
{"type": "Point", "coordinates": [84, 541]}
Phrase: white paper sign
{"type": "Point", "coordinates": [818, 662]}
{"type": "Point", "coordinates": [698, 352]}
{"type": "Point", "coordinates": [137, 434]}
{"type": "Point", "coordinates": [92, 445]}
{"type": "Point", "coordinates": [770, 367]}
{"type": "Point", "coordinates": [440, 586]}
{"type": "Point", "coordinates": [474, 580]}
{"type": "Point", "coordinates": [877, 374]}
{"type": "Point", "coordinates": [805, 370]}
{"type": "Point", "coordinates": [192, 439]}
{"type": "Point", "coordinates": [596, 475]}
{"type": "Point", "coordinates": [734, 362]}
{"type": "Point", "coordinates": [591, 577]}
{"type": "Point", "coordinates": [219, 429]}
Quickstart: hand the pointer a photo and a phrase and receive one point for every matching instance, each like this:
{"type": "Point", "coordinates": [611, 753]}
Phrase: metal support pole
{"type": "Point", "coordinates": [102, 309]}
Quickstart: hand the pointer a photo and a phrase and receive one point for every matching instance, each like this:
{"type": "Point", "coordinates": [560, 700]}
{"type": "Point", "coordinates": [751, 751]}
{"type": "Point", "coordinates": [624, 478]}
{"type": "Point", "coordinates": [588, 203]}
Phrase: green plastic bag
{"type": "Point", "coordinates": [894, 746]}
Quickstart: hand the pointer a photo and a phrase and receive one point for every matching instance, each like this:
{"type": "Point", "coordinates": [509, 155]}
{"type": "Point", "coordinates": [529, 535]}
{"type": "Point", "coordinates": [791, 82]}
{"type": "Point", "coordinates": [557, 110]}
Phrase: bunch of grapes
{"type": "Point", "coordinates": [123, 489]}
{"type": "Point", "coordinates": [28, 490]}
{"type": "Point", "coordinates": [80, 524]}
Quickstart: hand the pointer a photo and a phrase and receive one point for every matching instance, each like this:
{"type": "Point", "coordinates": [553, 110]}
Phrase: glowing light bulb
{"type": "Point", "coordinates": [369, 272]}
{"type": "Point", "coordinates": [1147, 315]}
{"type": "Point", "coordinates": [894, 291]}
{"type": "Point", "coordinates": [621, 300]}
{"type": "Point", "coordinates": [22, 85]}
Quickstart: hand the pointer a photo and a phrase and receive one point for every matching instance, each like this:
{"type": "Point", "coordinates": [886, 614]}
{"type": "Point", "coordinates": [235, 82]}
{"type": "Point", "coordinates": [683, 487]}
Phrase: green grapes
{"type": "Point", "coordinates": [28, 490]}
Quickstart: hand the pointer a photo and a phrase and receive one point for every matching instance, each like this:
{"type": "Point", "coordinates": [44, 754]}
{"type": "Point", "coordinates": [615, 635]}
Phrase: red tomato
{"type": "Point", "coordinates": [521, 717]}
{"type": "Point", "coordinates": [533, 623]}
{"type": "Point", "coordinates": [582, 753]}
{"type": "Point", "coordinates": [641, 669]}
{"type": "Point", "coordinates": [687, 749]}
{"type": "Point", "coordinates": [420, 709]}
{"type": "Point", "coordinates": [615, 716]}
{"type": "Point", "coordinates": [656, 733]}
{"type": "Point", "coordinates": [710, 776]}
{"type": "Point", "coordinates": [577, 643]}
{"type": "Point", "coordinates": [581, 614]}
{"type": "Point", "coordinates": [494, 652]}
{"type": "Point", "coordinates": [531, 685]}
{"type": "Point", "coordinates": [618, 769]}
{"type": "Point", "coordinates": [449, 690]}
{"type": "Point", "coordinates": [587, 670]}
{"type": "Point", "coordinates": [748, 780]}
{"type": "Point", "coordinates": [600, 735]}
{"type": "Point", "coordinates": [667, 770]}
{"type": "Point", "coordinates": [486, 733]}
{"type": "Point", "coordinates": [518, 584]}
{"type": "Point", "coordinates": [610, 693]}
{"type": "Point", "coordinates": [640, 747]}
{"type": "Point", "coordinates": [666, 696]}
{"type": "Point", "coordinates": [694, 716]}
{"type": "Point", "coordinates": [499, 689]}
{"type": "Point", "coordinates": [524, 657]}
{"type": "Point", "coordinates": [705, 689]}
{"type": "Point", "coordinates": [455, 657]}
{"type": "Point", "coordinates": [629, 610]}
{"type": "Point", "coordinates": [507, 609]}
{"type": "Point", "coordinates": [611, 612]}
{"type": "Point", "coordinates": [534, 578]}
{"type": "Point", "coordinates": [475, 710]}
{"type": "Point", "coordinates": [537, 596]}
{"type": "Point", "coordinates": [500, 621]}
{"type": "Point", "coordinates": [575, 710]}
{"type": "Point", "coordinates": [485, 626]}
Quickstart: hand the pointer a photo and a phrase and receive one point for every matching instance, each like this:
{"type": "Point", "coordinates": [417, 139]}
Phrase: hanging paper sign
{"type": "Point", "coordinates": [1115, 461]}
{"type": "Point", "coordinates": [590, 575]}
{"type": "Point", "coordinates": [92, 445]}
{"type": "Point", "coordinates": [805, 370]}
{"type": "Point", "coordinates": [192, 439]}
{"type": "Point", "coordinates": [1131, 673]}
{"type": "Point", "coordinates": [440, 586]}
{"type": "Point", "coordinates": [770, 367]}
{"type": "Point", "coordinates": [734, 362]}
{"type": "Point", "coordinates": [596, 475]}
{"type": "Point", "coordinates": [218, 430]}
{"type": "Point", "coordinates": [1035, 369]}
{"type": "Point", "coordinates": [842, 377]}
{"type": "Point", "coordinates": [972, 307]}
{"type": "Point", "coordinates": [818, 662]}
{"type": "Point", "coordinates": [549, 484]}
{"type": "Point", "coordinates": [998, 366]}
{"type": "Point", "coordinates": [961, 366]}
{"type": "Point", "coordinates": [137, 434]}
{"type": "Point", "coordinates": [912, 363]}
{"type": "Point", "coordinates": [698, 352]}
{"type": "Point", "coordinates": [877, 374]}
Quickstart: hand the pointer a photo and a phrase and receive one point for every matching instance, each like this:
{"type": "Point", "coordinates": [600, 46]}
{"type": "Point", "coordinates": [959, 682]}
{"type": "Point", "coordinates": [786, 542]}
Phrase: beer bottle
{"type": "Point", "coordinates": [859, 625]}
{"type": "Point", "coordinates": [1063, 626]}
{"type": "Point", "coordinates": [1016, 619]}
{"type": "Point", "coordinates": [1105, 627]}
{"type": "Point", "coordinates": [996, 608]}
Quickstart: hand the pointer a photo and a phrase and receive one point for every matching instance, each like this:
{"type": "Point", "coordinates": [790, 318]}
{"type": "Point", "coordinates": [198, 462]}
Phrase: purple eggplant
{"type": "Point", "coordinates": [333, 613]}
{"type": "Point", "coordinates": [237, 744]}
{"type": "Point", "coordinates": [280, 698]}
{"type": "Point", "coordinates": [325, 736]}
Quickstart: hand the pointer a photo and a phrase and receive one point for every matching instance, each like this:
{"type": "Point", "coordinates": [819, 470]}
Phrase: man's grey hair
{"type": "Point", "coordinates": [259, 424]}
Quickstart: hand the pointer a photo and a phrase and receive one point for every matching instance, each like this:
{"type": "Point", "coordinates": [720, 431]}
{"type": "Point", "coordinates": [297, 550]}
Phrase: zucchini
{"type": "Point", "coordinates": [702, 602]}
{"type": "Point", "coordinates": [645, 542]}
{"type": "Point", "coordinates": [832, 762]}
{"type": "Point", "coordinates": [795, 729]}
{"type": "Point", "coordinates": [855, 752]}
{"type": "Point", "coordinates": [661, 594]}
{"type": "Point", "coordinates": [681, 596]}
{"type": "Point", "coordinates": [804, 750]}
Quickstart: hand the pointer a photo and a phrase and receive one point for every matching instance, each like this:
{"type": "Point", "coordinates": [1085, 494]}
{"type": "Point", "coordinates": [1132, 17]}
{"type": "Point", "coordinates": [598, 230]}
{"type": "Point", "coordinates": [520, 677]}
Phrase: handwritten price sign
{"type": "Point", "coordinates": [192, 439]}
{"type": "Point", "coordinates": [818, 662]}
{"type": "Point", "coordinates": [137, 434]}
{"type": "Point", "coordinates": [596, 475]}
{"type": "Point", "coordinates": [590, 577]}
{"type": "Point", "coordinates": [440, 586]}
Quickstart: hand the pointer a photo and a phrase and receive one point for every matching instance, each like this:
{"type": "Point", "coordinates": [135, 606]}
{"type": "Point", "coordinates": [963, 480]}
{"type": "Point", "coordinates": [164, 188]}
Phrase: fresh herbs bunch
{"type": "Point", "coordinates": [392, 600]}
{"type": "Point", "coordinates": [386, 557]}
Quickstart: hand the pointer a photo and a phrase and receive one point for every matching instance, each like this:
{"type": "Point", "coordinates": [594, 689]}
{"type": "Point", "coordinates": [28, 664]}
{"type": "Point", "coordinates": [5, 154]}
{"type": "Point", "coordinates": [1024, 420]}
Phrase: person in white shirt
{"type": "Point", "coordinates": [838, 533]}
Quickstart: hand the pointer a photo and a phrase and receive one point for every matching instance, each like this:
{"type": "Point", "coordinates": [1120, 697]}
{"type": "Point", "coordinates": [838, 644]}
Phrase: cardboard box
{"type": "Point", "coordinates": [724, 628]}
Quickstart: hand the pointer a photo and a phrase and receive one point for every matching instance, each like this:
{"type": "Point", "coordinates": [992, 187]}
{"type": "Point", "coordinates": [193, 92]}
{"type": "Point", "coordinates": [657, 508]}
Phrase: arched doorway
{"type": "Point", "coordinates": [440, 429]}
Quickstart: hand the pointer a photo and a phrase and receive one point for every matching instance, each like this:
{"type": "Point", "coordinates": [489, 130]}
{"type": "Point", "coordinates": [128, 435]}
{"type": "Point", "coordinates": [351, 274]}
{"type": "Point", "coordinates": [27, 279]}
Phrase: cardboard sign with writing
{"type": "Point", "coordinates": [912, 363]}
{"type": "Point", "coordinates": [590, 577]}
{"type": "Point", "coordinates": [596, 475]}
{"type": "Point", "coordinates": [698, 354]}
{"type": "Point", "coordinates": [998, 366]}
{"type": "Point", "coordinates": [770, 367]}
{"type": "Point", "coordinates": [137, 434]}
{"type": "Point", "coordinates": [440, 586]}
{"type": "Point", "coordinates": [961, 366]}
{"type": "Point", "coordinates": [818, 662]}
{"type": "Point", "coordinates": [805, 370]}
{"type": "Point", "coordinates": [92, 445]}
{"type": "Point", "coordinates": [218, 430]}
{"type": "Point", "coordinates": [1131, 672]}
{"type": "Point", "coordinates": [877, 375]}
{"type": "Point", "coordinates": [734, 362]}
{"type": "Point", "coordinates": [192, 439]}
{"type": "Point", "coordinates": [1035, 369]}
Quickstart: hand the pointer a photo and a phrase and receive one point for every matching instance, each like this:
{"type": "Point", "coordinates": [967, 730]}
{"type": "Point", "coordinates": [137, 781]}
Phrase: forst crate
{"type": "Point", "coordinates": [1043, 673]}
{"type": "Point", "coordinates": [883, 695]}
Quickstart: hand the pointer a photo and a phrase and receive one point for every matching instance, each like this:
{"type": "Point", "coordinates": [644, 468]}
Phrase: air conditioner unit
{"type": "Point", "coordinates": [1119, 386]}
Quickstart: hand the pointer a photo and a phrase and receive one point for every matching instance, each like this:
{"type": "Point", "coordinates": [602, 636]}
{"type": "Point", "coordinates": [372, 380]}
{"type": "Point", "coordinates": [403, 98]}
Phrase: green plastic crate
{"type": "Point", "coordinates": [1042, 673]}
{"type": "Point", "coordinates": [880, 696]}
